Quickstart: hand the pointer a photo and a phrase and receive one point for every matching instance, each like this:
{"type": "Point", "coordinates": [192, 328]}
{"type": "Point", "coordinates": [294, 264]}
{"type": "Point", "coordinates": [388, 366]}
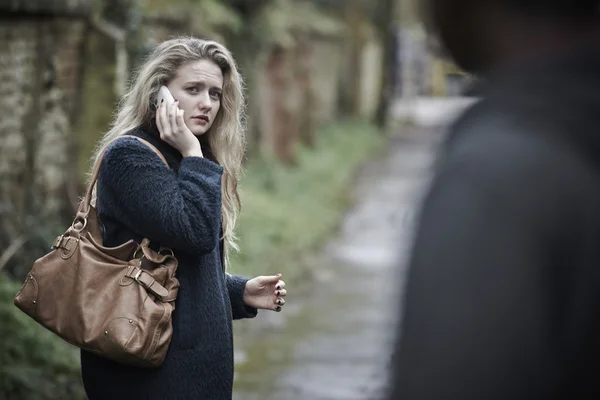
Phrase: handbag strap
{"type": "Point", "coordinates": [84, 206]}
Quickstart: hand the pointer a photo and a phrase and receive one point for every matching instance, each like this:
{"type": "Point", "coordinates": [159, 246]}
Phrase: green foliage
{"type": "Point", "coordinates": [208, 18]}
{"type": "Point", "coordinates": [369, 7]}
{"type": "Point", "coordinates": [288, 211]}
{"type": "Point", "coordinates": [27, 231]}
{"type": "Point", "coordinates": [283, 20]}
{"type": "Point", "coordinates": [215, 13]}
{"type": "Point", "coordinates": [34, 363]}
{"type": "Point", "coordinates": [305, 16]}
{"type": "Point", "coordinates": [119, 12]}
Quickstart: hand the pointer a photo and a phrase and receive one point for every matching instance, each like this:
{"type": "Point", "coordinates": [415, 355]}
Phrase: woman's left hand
{"type": "Point", "coordinates": [265, 292]}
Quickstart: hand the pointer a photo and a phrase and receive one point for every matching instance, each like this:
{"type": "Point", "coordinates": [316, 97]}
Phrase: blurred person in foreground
{"type": "Point", "coordinates": [503, 292]}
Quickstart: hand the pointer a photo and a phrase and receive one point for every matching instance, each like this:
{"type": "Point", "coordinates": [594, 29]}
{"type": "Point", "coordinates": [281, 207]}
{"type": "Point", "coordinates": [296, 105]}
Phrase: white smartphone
{"type": "Point", "coordinates": [164, 94]}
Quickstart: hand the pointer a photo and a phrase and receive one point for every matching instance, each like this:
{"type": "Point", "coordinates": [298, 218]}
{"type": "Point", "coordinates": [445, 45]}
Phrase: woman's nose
{"type": "Point", "coordinates": [204, 102]}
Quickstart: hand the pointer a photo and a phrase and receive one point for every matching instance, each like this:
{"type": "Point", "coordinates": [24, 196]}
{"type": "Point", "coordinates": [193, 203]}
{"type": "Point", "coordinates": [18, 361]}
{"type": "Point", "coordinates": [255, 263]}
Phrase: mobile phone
{"type": "Point", "coordinates": [164, 94]}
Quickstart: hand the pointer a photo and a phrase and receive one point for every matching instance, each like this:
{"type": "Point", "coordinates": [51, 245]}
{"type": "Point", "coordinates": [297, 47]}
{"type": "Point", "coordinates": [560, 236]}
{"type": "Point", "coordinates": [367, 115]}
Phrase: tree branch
{"type": "Point", "coordinates": [12, 250]}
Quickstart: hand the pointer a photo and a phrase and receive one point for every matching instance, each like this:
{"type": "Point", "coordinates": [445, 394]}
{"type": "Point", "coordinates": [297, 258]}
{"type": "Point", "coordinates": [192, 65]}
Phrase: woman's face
{"type": "Point", "coordinates": [198, 85]}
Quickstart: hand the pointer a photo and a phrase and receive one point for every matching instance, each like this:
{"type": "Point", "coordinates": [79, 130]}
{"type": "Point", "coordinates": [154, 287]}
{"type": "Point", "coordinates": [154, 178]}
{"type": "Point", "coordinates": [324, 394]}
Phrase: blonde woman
{"type": "Point", "coordinates": [190, 206]}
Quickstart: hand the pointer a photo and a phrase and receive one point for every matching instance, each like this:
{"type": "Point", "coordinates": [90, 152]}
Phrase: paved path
{"type": "Point", "coordinates": [334, 343]}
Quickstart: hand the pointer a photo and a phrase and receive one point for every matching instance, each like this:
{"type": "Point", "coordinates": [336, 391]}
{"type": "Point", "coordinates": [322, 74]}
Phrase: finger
{"type": "Point", "coordinates": [271, 279]}
{"type": "Point", "coordinates": [164, 120]}
{"type": "Point", "coordinates": [180, 121]}
{"type": "Point", "coordinates": [280, 285]}
{"type": "Point", "coordinates": [280, 302]}
{"type": "Point", "coordinates": [173, 116]}
{"type": "Point", "coordinates": [158, 119]}
{"type": "Point", "coordinates": [281, 293]}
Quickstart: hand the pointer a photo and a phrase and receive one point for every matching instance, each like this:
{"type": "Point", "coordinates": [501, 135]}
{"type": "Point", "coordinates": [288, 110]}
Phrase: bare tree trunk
{"type": "Point", "coordinates": [388, 33]}
{"type": "Point", "coordinates": [355, 43]}
{"type": "Point", "coordinates": [74, 149]}
{"type": "Point", "coordinates": [308, 98]}
{"type": "Point", "coordinates": [280, 142]}
{"type": "Point", "coordinates": [250, 56]}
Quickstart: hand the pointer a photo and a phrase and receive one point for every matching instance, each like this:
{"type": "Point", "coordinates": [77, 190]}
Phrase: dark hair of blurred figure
{"type": "Point", "coordinates": [502, 297]}
{"type": "Point", "coordinates": [481, 34]}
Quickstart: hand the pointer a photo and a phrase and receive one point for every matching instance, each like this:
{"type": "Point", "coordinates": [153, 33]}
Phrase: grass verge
{"type": "Point", "coordinates": [288, 212]}
{"type": "Point", "coordinates": [34, 363]}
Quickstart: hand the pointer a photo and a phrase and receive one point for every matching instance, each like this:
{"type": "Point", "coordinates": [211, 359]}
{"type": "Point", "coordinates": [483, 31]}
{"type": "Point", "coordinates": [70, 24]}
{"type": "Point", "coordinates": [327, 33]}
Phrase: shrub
{"type": "Point", "coordinates": [35, 364]}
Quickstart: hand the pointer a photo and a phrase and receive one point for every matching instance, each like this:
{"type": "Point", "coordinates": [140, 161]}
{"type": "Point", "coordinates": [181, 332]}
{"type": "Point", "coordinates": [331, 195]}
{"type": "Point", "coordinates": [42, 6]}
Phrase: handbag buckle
{"type": "Point", "coordinates": [56, 243]}
{"type": "Point", "coordinates": [81, 221]}
{"type": "Point", "coordinates": [137, 275]}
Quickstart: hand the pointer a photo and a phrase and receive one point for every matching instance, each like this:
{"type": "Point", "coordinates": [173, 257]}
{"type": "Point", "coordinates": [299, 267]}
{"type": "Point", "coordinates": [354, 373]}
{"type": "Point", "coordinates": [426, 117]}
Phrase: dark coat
{"type": "Point", "coordinates": [178, 207]}
{"type": "Point", "coordinates": [503, 293]}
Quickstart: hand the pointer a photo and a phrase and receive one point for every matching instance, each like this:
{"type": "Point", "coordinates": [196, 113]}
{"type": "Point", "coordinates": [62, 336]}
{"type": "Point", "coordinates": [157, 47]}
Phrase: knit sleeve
{"type": "Point", "coordinates": [179, 210]}
{"type": "Point", "coordinates": [235, 287]}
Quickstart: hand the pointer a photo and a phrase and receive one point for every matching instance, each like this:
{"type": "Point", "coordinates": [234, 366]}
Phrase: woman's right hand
{"type": "Point", "coordinates": [172, 128]}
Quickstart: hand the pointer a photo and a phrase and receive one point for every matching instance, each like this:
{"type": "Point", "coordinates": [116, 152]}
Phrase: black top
{"type": "Point", "coordinates": [503, 292]}
{"type": "Point", "coordinates": [178, 207]}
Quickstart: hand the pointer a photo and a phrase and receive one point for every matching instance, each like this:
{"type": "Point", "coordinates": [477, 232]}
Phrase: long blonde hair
{"type": "Point", "coordinates": [226, 136]}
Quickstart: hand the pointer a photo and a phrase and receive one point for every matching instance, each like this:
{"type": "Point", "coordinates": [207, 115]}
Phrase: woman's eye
{"type": "Point", "coordinates": [192, 90]}
{"type": "Point", "coordinates": [215, 95]}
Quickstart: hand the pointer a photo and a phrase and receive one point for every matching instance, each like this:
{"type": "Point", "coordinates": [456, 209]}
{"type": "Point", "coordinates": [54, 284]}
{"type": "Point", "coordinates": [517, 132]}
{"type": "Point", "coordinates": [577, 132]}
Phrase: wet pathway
{"type": "Point", "coordinates": [333, 342]}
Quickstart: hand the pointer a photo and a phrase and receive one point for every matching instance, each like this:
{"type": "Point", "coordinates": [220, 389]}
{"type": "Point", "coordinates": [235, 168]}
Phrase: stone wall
{"type": "Point", "coordinates": [39, 80]}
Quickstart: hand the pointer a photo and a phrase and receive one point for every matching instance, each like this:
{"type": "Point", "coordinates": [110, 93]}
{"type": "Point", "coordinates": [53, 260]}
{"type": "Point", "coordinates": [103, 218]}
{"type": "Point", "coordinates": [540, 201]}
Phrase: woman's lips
{"type": "Point", "coordinates": [200, 120]}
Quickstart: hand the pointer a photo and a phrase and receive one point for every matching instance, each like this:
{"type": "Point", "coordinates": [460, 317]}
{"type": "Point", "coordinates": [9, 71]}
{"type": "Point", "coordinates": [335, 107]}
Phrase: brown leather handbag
{"type": "Point", "coordinates": [116, 302]}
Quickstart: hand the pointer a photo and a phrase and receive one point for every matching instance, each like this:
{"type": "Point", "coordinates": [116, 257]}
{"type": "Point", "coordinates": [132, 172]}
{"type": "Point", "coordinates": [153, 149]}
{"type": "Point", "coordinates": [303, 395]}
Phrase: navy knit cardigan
{"type": "Point", "coordinates": [178, 207]}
